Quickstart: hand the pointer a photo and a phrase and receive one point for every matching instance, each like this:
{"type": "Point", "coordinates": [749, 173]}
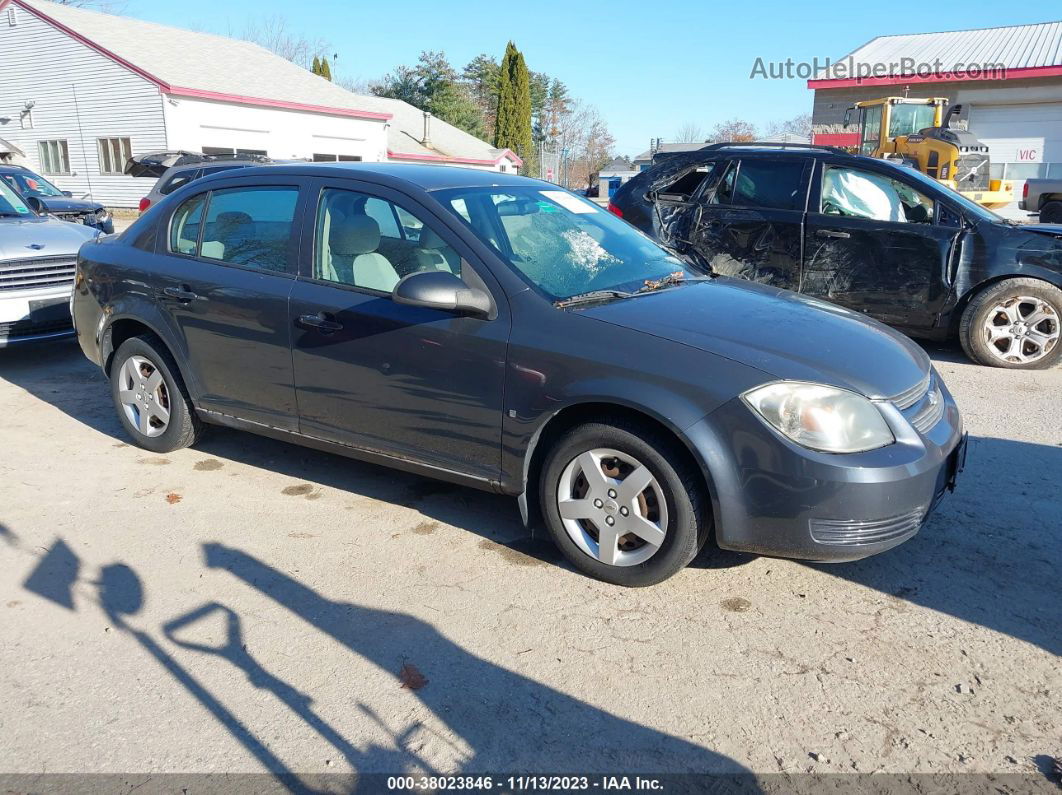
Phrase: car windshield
{"type": "Point", "coordinates": [29, 184]}
{"type": "Point", "coordinates": [562, 244]}
{"type": "Point", "coordinates": [11, 203]}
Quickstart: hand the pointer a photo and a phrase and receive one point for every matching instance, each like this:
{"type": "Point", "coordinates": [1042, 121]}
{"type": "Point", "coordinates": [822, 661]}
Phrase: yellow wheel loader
{"type": "Point", "coordinates": [917, 132]}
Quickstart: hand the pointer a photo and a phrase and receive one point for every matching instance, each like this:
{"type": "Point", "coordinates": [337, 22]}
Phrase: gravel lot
{"type": "Point", "coordinates": [250, 605]}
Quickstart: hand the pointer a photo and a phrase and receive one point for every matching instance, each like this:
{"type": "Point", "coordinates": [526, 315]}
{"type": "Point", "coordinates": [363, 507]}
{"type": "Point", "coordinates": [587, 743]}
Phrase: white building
{"type": "Point", "coordinates": [81, 91]}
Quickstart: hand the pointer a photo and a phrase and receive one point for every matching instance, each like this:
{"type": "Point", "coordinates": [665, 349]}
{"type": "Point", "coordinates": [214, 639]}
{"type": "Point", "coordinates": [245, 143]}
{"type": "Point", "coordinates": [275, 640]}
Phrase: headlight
{"type": "Point", "coordinates": [821, 417]}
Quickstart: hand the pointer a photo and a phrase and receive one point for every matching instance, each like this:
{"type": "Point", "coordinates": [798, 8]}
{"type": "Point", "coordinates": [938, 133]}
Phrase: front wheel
{"type": "Point", "coordinates": [1014, 324]}
{"type": "Point", "coordinates": [623, 504]}
{"type": "Point", "coordinates": [1051, 213]}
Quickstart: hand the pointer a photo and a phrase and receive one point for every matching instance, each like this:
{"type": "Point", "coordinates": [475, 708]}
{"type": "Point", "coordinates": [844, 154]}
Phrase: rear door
{"type": "Point", "coordinates": [750, 221]}
{"type": "Point", "coordinates": [229, 262]}
{"type": "Point", "coordinates": [878, 244]}
{"type": "Point", "coordinates": [674, 204]}
{"type": "Point", "coordinates": [407, 381]}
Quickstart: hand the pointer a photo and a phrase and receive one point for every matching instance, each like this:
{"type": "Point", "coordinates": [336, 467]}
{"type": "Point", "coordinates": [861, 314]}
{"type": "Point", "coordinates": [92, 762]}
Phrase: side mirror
{"type": "Point", "coordinates": [68, 193]}
{"type": "Point", "coordinates": [441, 290]}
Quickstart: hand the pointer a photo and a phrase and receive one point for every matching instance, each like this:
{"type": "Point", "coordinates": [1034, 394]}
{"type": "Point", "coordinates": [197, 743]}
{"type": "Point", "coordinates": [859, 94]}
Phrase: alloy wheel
{"type": "Point", "coordinates": [143, 395]}
{"type": "Point", "coordinates": [612, 507]}
{"type": "Point", "coordinates": [1021, 329]}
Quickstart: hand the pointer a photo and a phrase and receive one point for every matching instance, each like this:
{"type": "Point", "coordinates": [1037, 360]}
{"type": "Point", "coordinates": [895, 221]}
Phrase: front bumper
{"type": "Point", "coordinates": [773, 497]}
{"type": "Point", "coordinates": [35, 315]}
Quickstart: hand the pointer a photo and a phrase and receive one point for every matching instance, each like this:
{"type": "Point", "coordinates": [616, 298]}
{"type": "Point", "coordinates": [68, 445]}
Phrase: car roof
{"type": "Point", "coordinates": [425, 177]}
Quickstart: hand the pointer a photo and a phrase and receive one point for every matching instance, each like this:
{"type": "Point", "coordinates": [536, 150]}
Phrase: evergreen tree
{"type": "Point", "coordinates": [505, 125]}
{"type": "Point", "coordinates": [522, 94]}
{"type": "Point", "coordinates": [316, 66]}
{"type": "Point", "coordinates": [326, 70]}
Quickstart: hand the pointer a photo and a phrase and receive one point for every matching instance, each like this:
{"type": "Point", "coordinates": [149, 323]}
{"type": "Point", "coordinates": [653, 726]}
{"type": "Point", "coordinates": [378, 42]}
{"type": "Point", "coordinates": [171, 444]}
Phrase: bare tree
{"type": "Point", "coordinates": [734, 130]}
{"type": "Point", "coordinates": [690, 132]}
{"type": "Point", "coordinates": [355, 85]}
{"type": "Point", "coordinates": [586, 137]}
{"type": "Point", "coordinates": [107, 6]}
{"type": "Point", "coordinates": [275, 34]}
{"type": "Point", "coordinates": [798, 125]}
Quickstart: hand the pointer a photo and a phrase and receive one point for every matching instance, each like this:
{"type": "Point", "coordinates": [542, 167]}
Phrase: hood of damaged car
{"type": "Point", "coordinates": [787, 335]}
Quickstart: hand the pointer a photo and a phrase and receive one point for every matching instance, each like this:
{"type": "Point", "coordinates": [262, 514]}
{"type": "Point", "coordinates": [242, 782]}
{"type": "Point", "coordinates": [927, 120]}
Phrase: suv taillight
{"type": "Point", "coordinates": [1025, 191]}
{"type": "Point", "coordinates": [616, 211]}
{"type": "Point", "coordinates": [145, 203]}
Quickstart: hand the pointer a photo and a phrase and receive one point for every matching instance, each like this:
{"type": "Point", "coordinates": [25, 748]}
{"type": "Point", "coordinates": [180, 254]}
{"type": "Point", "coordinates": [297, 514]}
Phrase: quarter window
{"type": "Point", "coordinates": [184, 228]}
{"type": "Point", "coordinates": [114, 153]}
{"type": "Point", "coordinates": [352, 247]}
{"type": "Point", "coordinates": [54, 156]}
{"type": "Point", "coordinates": [866, 194]}
{"type": "Point", "coordinates": [771, 184]}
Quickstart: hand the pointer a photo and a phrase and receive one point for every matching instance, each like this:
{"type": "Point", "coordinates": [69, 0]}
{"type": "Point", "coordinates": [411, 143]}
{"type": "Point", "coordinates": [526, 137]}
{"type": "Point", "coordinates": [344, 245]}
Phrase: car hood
{"type": "Point", "coordinates": [63, 204]}
{"type": "Point", "coordinates": [786, 335]}
{"type": "Point", "coordinates": [33, 236]}
{"type": "Point", "coordinates": [1053, 230]}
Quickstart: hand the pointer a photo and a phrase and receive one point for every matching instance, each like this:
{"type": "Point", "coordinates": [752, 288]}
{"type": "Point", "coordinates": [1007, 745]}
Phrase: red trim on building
{"type": "Point", "coordinates": [444, 159]}
{"type": "Point", "coordinates": [835, 139]}
{"type": "Point", "coordinates": [943, 77]}
{"type": "Point", "coordinates": [195, 92]}
{"type": "Point", "coordinates": [198, 93]}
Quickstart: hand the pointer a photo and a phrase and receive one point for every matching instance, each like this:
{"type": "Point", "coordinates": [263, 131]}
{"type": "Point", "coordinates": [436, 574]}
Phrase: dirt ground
{"type": "Point", "coordinates": [250, 605]}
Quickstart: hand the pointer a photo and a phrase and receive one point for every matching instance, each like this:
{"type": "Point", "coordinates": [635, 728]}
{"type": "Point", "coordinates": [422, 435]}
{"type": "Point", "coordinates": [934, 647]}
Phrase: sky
{"type": "Point", "coordinates": [649, 68]}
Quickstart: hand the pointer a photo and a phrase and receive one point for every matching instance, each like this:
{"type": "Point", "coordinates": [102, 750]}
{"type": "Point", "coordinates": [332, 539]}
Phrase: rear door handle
{"type": "Point", "coordinates": [181, 293]}
{"type": "Point", "coordinates": [321, 321]}
{"type": "Point", "coordinates": [831, 233]}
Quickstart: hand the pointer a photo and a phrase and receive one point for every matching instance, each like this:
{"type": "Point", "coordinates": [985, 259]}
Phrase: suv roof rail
{"type": "Point", "coordinates": [772, 145]}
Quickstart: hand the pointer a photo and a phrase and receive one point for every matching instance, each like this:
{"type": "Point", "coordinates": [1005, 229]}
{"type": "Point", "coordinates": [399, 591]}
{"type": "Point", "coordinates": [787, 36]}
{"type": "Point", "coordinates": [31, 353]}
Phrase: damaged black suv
{"type": "Point", "coordinates": [865, 233]}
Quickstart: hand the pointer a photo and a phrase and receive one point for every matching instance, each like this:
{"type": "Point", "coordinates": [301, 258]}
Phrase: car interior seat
{"type": "Point", "coordinates": [432, 253]}
{"type": "Point", "coordinates": [353, 256]}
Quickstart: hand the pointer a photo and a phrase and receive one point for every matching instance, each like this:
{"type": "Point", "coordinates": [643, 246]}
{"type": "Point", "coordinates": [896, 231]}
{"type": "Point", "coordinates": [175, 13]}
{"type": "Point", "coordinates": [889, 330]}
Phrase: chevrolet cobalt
{"type": "Point", "coordinates": [499, 332]}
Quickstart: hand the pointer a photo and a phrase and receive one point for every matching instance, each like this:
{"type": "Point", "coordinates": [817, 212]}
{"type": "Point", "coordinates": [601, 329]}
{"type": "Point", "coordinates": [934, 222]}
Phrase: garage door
{"type": "Point", "coordinates": [1025, 141]}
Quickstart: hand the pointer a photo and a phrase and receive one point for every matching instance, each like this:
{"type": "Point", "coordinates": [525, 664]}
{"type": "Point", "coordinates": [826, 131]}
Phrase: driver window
{"type": "Point", "coordinates": [358, 243]}
{"type": "Point", "coordinates": [724, 191]}
{"type": "Point", "coordinates": [864, 194]}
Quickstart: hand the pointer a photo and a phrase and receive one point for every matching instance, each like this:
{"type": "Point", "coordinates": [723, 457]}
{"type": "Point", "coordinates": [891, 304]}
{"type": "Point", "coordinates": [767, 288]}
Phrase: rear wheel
{"type": "Point", "coordinates": [1014, 324]}
{"type": "Point", "coordinates": [150, 396]}
{"type": "Point", "coordinates": [1051, 213]}
{"type": "Point", "coordinates": [623, 504]}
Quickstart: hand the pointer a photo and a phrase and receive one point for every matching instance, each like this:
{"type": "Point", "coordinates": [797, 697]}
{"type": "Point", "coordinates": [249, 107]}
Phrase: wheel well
{"type": "Point", "coordinates": [1047, 198]}
{"type": "Point", "coordinates": [118, 332]}
{"type": "Point", "coordinates": [568, 418]}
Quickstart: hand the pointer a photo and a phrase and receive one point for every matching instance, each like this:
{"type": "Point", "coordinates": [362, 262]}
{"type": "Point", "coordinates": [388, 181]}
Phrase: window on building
{"type": "Point", "coordinates": [225, 150]}
{"type": "Point", "coordinates": [114, 153]}
{"type": "Point", "coordinates": [318, 157]}
{"type": "Point", "coordinates": [55, 156]}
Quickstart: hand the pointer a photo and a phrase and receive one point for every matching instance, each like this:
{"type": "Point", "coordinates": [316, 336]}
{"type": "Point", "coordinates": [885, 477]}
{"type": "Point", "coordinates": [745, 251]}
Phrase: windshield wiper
{"type": "Point", "coordinates": [591, 297]}
{"type": "Point", "coordinates": [672, 279]}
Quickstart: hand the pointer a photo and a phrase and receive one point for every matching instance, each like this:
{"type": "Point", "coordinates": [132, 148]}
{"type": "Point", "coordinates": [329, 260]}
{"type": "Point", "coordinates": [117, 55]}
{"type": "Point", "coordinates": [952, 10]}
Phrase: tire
{"type": "Point", "coordinates": [146, 356]}
{"type": "Point", "coordinates": [1051, 213]}
{"type": "Point", "coordinates": [1005, 307]}
{"type": "Point", "coordinates": [674, 499]}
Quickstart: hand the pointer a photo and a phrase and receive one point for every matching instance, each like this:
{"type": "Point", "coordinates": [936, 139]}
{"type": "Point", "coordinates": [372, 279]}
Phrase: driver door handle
{"type": "Point", "coordinates": [831, 233]}
{"type": "Point", "coordinates": [321, 321]}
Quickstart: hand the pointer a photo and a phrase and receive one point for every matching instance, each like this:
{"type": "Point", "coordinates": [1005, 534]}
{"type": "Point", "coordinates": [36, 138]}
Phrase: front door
{"type": "Point", "coordinates": [876, 244]}
{"type": "Point", "coordinates": [407, 381]}
{"type": "Point", "coordinates": [230, 259]}
{"type": "Point", "coordinates": [750, 222]}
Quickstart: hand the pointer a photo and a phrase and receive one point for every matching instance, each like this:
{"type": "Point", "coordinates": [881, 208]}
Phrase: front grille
{"type": "Point", "coordinates": [26, 274]}
{"type": "Point", "coordinates": [909, 397]}
{"type": "Point", "coordinates": [23, 328]}
{"type": "Point", "coordinates": [972, 172]}
{"type": "Point", "coordinates": [929, 411]}
{"type": "Point", "coordinates": [857, 532]}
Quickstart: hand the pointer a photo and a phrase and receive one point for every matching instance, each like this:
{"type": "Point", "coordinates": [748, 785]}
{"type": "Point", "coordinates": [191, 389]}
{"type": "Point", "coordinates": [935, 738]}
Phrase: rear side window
{"type": "Point", "coordinates": [771, 184]}
{"type": "Point", "coordinates": [686, 184]}
{"type": "Point", "coordinates": [178, 180]}
{"type": "Point", "coordinates": [251, 227]}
